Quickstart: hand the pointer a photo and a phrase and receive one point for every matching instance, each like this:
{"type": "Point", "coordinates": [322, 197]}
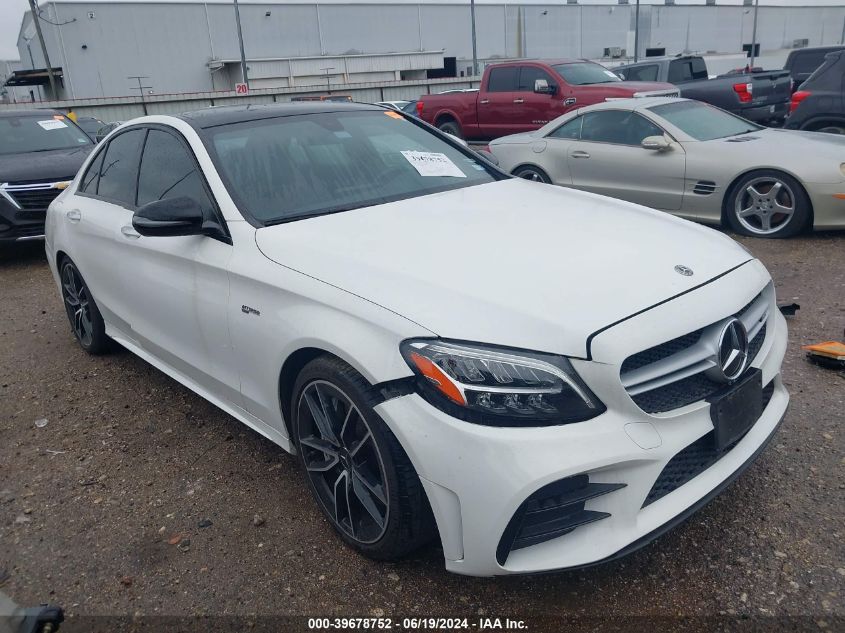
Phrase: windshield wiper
{"type": "Point", "coordinates": [314, 214]}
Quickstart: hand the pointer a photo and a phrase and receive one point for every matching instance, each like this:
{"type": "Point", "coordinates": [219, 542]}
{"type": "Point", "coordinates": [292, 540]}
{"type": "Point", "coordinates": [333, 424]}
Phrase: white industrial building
{"type": "Point", "coordinates": [185, 47]}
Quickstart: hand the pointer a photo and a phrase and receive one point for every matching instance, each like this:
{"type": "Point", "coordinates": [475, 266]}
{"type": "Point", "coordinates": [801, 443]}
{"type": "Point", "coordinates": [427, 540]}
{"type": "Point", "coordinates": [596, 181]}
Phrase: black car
{"type": "Point", "coordinates": [802, 62]}
{"type": "Point", "coordinates": [90, 125]}
{"type": "Point", "coordinates": [819, 105]}
{"type": "Point", "coordinates": [40, 153]}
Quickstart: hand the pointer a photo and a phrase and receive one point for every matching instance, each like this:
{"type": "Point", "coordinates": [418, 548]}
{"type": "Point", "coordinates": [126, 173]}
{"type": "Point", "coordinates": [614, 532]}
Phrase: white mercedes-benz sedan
{"type": "Point", "coordinates": [544, 378]}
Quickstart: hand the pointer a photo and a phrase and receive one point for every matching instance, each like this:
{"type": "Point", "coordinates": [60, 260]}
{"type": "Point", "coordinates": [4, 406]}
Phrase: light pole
{"type": "Point", "coordinates": [141, 89]}
{"type": "Point", "coordinates": [328, 79]}
{"type": "Point", "coordinates": [244, 73]}
{"type": "Point", "coordinates": [474, 48]}
{"type": "Point", "coordinates": [37, 20]}
{"type": "Point", "coordinates": [636, 31]}
{"type": "Point", "coordinates": [754, 34]}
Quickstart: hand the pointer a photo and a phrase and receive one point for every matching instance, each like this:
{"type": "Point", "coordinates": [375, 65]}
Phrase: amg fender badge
{"type": "Point", "coordinates": [248, 310]}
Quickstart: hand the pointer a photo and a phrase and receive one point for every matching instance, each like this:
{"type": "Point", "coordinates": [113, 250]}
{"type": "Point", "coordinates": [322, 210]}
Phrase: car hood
{"type": "Point", "coordinates": [812, 156]}
{"type": "Point", "coordinates": [510, 263]}
{"type": "Point", "coordinates": [59, 164]}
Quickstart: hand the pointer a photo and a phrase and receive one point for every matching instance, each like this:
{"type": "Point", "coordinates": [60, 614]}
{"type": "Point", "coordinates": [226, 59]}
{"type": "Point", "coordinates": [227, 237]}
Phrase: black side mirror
{"type": "Point", "coordinates": [169, 217]}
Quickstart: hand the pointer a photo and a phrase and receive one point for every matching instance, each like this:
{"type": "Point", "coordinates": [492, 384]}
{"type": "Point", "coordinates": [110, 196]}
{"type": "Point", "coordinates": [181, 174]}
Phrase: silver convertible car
{"type": "Point", "coordinates": [690, 159]}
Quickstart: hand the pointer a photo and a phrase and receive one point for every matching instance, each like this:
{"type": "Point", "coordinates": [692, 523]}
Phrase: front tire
{"type": "Point", "coordinates": [86, 322]}
{"type": "Point", "coordinates": [450, 126]}
{"type": "Point", "coordinates": [768, 203]}
{"type": "Point", "coordinates": [532, 173]}
{"type": "Point", "coordinates": [359, 474]}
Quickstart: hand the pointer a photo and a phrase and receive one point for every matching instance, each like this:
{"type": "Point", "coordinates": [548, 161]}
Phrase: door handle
{"type": "Point", "coordinates": [519, 100]}
{"type": "Point", "coordinates": [484, 101]}
{"type": "Point", "coordinates": [580, 154]}
{"type": "Point", "coordinates": [129, 232]}
{"type": "Point", "coordinates": [74, 215]}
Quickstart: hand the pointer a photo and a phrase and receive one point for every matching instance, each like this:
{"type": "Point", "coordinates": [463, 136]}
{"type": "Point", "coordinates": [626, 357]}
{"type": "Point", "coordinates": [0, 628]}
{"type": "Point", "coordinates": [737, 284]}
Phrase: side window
{"type": "Point", "coordinates": [169, 171]}
{"type": "Point", "coordinates": [570, 129]}
{"type": "Point", "coordinates": [92, 175]}
{"type": "Point", "coordinates": [503, 79]}
{"type": "Point", "coordinates": [618, 127]}
{"type": "Point", "coordinates": [641, 73]}
{"type": "Point", "coordinates": [682, 70]}
{"type": "Point", "coordinates": [528, 75]}
{"type": "Point", "coordinates": [119, 172]}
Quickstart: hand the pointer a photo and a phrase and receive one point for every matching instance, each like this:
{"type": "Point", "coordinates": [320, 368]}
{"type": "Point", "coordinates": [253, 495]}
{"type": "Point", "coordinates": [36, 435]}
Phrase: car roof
{"type": "Point", "coordinates": [6, 114]}
{"type": "Point", "coordinates": [634, 103]}
{"type": "Point", "coordinates": [225, 115]}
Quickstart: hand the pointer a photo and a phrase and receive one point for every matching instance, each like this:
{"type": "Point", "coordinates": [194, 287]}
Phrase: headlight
{"type": "Point", "coordinates": [497, 386]}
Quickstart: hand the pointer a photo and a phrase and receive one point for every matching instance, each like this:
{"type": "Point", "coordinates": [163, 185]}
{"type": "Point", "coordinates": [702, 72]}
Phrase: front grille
{"type": "Point", "coordinates": [34, 199]}
{"type": "Point", "coordinates": [673, 374]}
{"type": "Point", "coordinates": [552, 511]}
{"type": "Point", "coordinates": [694, 460]}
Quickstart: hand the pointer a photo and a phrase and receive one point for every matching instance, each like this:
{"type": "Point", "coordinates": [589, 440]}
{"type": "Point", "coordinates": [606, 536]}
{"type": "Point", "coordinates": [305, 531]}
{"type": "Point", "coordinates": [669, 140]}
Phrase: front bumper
{"type": "Point", "coordinates": [477, 477]}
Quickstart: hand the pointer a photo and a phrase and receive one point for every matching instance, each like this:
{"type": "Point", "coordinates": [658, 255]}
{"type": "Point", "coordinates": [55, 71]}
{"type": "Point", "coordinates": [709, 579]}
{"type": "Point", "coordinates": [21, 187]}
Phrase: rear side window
{"type": "Point", "coordinates": [92, 176]}
{"type": "Point", "coordinates": [682, 70]}
{"type": "Point", "coordinates": [503, 79]}
{"type": "Point", "coordinates": [119, 173]}
{"type": "Point", "coordinates": [641, 73]}
{"type": "Point", "coordinates": [529, 74]}
{"type": "Point", "coordinates": [169, 171]}
{"type": "Point", "coordinates": [807, 62]}
{"type": "Point", "coordinates": [570, 129]}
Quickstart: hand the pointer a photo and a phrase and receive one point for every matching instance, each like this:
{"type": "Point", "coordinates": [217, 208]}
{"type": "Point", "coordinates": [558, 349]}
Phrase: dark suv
{"type": "Point", "coordinates": [40, 153]}
{"type": "Point", "coordinates": [803, 62]}
{"type": "Point", "coordinates": [819, 105]}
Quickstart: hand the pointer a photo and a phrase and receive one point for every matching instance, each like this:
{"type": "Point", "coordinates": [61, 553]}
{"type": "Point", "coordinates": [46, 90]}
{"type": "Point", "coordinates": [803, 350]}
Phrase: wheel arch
{"type": "Point", "coordinates": [729, 191]}
{"type": "Point", "coordinates": [447, 115]}
{"type": "Point", "coordinates": [822, 118]}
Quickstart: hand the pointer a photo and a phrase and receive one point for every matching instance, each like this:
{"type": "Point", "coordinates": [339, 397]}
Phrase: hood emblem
{"type": "Point", "coordinates": [683, 270]}
{"type": "Point", "coordinates": [732, 352]}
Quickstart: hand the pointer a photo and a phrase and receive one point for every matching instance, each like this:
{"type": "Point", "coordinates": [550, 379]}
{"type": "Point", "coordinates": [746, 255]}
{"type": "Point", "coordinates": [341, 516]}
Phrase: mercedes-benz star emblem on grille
{"type": "Point", "coordinates": [683, 270]}
{"type": "Point", "coordinates": [732, 356]}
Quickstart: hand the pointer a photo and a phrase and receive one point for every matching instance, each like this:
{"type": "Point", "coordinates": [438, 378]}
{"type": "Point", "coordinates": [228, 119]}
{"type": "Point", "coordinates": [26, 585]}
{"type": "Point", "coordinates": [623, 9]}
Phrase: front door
{"type": "Point", "coordinates": [497, 114]}
{"type": "Point", "coordinates": [609, 159]}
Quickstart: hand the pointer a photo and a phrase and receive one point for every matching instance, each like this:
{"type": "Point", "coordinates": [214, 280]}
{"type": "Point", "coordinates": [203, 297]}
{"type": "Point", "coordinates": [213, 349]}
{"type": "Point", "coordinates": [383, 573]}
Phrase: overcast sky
{"type": "Point", "coordinates": [11, 12]}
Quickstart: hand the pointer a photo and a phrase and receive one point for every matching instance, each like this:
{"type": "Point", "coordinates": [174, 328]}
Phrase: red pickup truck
{"type": "Point", "coordinates": [523, 96]}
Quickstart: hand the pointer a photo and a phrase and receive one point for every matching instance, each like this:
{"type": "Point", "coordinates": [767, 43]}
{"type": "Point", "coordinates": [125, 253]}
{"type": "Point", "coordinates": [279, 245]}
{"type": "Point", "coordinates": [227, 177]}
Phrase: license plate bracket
{"type": "Point", "coordinates": [735, 409]}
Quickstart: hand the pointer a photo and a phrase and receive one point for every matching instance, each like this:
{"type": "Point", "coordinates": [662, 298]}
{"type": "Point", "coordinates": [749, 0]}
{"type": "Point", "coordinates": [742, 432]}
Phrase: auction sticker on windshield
{"type": "Point", "coordinates": [433, 164]}
{"type": "Point", "coordinates": [52, 124]}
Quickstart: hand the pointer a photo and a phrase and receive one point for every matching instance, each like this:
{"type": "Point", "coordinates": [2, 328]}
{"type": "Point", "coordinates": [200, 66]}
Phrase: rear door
{"type": "Point", "coordinates": [534, 110]}
{"type": "Point", "coordinates": [497, 114]}
{"type": "Point", "coordinates": [609, 160]}
{"type": "Point", "coordinates": [102, 206]}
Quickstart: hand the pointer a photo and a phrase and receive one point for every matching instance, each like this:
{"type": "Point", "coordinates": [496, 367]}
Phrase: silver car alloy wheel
{"type": "Point", "coordinates": [343, 461]}
{"type": "Point", "coordinates": [530, 174]}
{"type": "Point", "coordinates": [765, 205]}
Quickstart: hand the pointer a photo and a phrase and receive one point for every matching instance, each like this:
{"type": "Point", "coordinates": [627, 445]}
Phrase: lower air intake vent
{"type": "Point", "coordinates": [704, 187]}
{"type": "Point", "coordinates": [693, 460]}
{"type": "Point", "coordinates": [554, 510]}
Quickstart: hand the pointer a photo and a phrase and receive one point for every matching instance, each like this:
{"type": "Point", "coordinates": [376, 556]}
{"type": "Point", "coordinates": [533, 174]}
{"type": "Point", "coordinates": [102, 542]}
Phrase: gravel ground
{"type": "Point", "coordinates": [138, 497]}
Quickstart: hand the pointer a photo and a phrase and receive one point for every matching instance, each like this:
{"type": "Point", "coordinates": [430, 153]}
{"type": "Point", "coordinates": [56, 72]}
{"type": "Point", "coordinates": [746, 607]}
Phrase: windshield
{"type": "Point", "coordinates": [703, 122]}
{"type": "Point", "coordinates": [40, 133]}
{"type": "Point", "coordinates": [291, 167]}
{"type": "Point", "coordinates": [585, 73]}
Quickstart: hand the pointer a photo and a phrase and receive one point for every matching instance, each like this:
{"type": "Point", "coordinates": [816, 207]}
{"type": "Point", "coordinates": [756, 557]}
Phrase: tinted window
{"type": "Point", "coordinates": [292, 167]}
{"type": "Point", "coordinates": [641, 73]}
{"type": "Point", "coordinates": [681, 70]}
{"type": "Point", "coordinates": [119, 173]}
{"type": "Point", "coordinates": [570, 129]}
{"type": "Point", "coordinates": [703, 122]}
{"type": "Point", "coordinates": [503, 79]}
{"type": "Point", "coordinates": [806, 62]}
{"type": "Point", "coordinates": [41, 133]}
{"type": "Point", "coordinates": [92, 176]}
{"type": "Point", "coordinates": [529, 74]}
{"type": "Point", "coordinates": [169, 171]}
{"type": "Point", "coordinates": [616, 126]}
{"type": "Point", "coordinates": [585, 73]}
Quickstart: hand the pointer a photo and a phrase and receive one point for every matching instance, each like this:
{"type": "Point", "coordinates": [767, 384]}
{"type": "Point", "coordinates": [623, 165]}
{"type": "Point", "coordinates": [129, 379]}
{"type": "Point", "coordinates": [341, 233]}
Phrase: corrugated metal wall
{"type": "Point", "coordinates": [172, 42]}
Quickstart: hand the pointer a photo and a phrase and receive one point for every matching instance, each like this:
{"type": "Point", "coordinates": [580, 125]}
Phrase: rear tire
{"type": "Point", "coordinates": [359, 474]}
{"type": "Point", "coordinates": [768, 203]}
{"type": "Point", "coordinates": [532, 173]}
{"type": "Point", "coordinates": [450, 126]}
{"type": "Point", "coordinates": [86, 322]}
{"type": "Point", "coordinates": [832, 127]}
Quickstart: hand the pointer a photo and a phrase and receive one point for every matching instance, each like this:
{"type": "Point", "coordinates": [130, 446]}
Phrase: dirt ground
{"type": "Point", "coordinates": [138, 497]}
